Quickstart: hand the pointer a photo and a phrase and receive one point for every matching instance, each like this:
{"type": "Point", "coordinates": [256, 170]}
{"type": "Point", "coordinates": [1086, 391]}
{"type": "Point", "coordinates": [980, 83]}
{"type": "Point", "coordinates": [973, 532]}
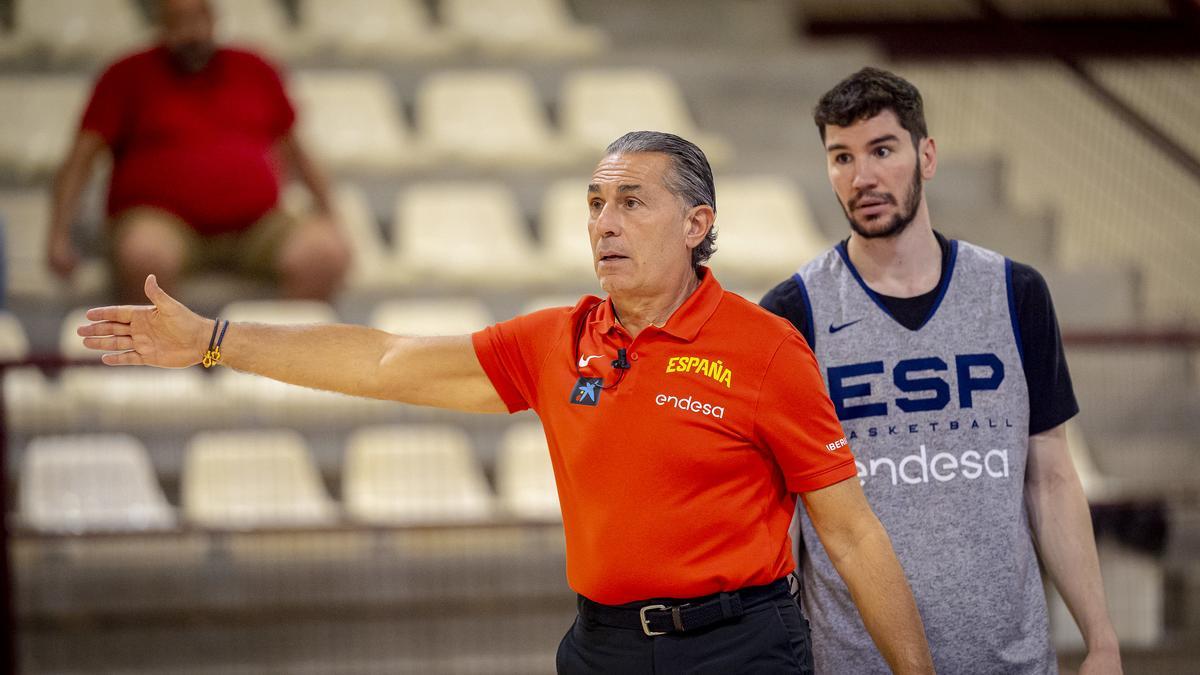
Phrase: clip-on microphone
{"type": "Point", "coordinates": [621, 363]}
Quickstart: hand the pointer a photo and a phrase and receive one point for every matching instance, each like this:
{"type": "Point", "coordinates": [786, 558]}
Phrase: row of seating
{"type": "Point", "coordinates": [353, 120]}
{"type": "Point", "coordinates": [474, 234]}
{"type": "Point", "coordinates": [71, 30]}
{"type": "Point", "coordinates": [235, 480]}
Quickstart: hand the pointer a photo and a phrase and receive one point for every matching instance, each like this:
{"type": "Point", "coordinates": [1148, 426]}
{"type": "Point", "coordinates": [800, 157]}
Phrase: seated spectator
{"type": "Point", "coordinates": [199, 135]}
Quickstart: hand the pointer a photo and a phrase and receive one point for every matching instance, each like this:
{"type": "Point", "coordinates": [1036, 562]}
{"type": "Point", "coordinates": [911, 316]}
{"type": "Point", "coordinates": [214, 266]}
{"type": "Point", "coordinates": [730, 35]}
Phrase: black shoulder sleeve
{"type": "Point", "coordinates": [1051, 396]}
{"type": "Point", "coordinates": [790, 300]}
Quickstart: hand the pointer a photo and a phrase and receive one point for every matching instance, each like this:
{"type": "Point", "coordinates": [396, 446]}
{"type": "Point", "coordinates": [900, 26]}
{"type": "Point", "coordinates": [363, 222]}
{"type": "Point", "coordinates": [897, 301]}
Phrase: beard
{"type": "Point", "coordinates": [900, 221]}
{"type": "Point", "coordinates": [192, 57]}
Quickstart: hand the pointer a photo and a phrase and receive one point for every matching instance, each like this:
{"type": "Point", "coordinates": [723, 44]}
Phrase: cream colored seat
{"type": "Point", "coordinates": [765, 229]}
{"type": "Point", "coordinates": [563, 301]}
{"type": "Point", "coordinates": [375, 29]}
{"type": "Point", "coordinates": [136, 398]}
{"type": "Point", "coordinates": [38, 120]}
{"type": "Point", "coordinates": [71, 30]}
{"type": "Point", "coordinates": [488, 118]}
{"type": "Point", "coordinates": [253, 479]}
{"type": "Point", "coordinates": [525, 476]}
{"type": "Point", "coordinates": [503, 28]}
{"type": "Point", "coordinates": [261, 25]}
{"type": "Point", "coordinates": [90, 483]}
{"type": "Point", "coordinates": [34, 404]}
{"type": "Point", "coordinates": [414, 475]}
{"type": "Point", "coordinates": [371, 267]}
{"type": "Point", "coordinates": [14, 344]}
{"type": "Point", "coordinates": [564, 228]}
{"type": "Point", "coordinates": [599, 106]}
{"type": "Point", "coordinates": [353, 121]}
{"type": "Point", "coordinates": [70, 344]}
{"type": "Point", "coordinates": [27, 219]}
{"type": "Point", "coordinates": [441, 316]}
{"type": "Point", "coordinates": [463, 233]}
{"type": "Point", "coordinates": [280, 311]}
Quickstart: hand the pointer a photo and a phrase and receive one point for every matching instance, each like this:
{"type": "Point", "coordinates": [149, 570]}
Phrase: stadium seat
{"type": "Point", "coordinates": [280, 311]}
{"type": "Point", "coordinates": [525, 476]}
{"type": "Point", "coordinates": [460, 233]}
{"type": "Point", "coordinates": [14, 344]}
{"type": "Point", "coordinates": [38, 121]}
{"type": "Point", "coordinates": [488, 118]}
{"type": "Point", "coordinates": [27, 217]}
{"type": "Point", "coordinates": [563, 223]}
{"type": "Point", "coordinates": [69, 30]}
{"type": "Point", "coordinates": [375, 29]}
{"type": "Point", "coordinates": [441, 316]}
{"type": "Point", "coordinates": [34, 404]}
{"type": "Point", "coordinates": [70, 344]}
{"type": "Point", "coordinates": [135, 398]}
{"type": "Point", "coordinates": [91, 483]}
{"type": "Point", "coordinates": [414, 475]}
{"type": "Point", "coordinates": [1094, 297]}
{"type": "Point", "coordinates": [506, 28]}
{"type": "Point", "coordinates": [598, 106]}
{"type": "Point", "coordinates": [370, 268]}
{"type": "Point", "coordinates": [253, 479]}
{"type": "Point", "coordinates": [765, 229]}
{"type": "Point", "coordinates": [564, 300]}
{"type": "Point", "coordinates": [261, 25]}
{"type": "Point", "coordinates": [352, 121]}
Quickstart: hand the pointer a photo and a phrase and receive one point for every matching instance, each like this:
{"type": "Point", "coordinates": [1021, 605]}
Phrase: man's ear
{"type": "Point", "coordinates": [698, 222]}
{"type": "Point", "coordinates": [927, 154]}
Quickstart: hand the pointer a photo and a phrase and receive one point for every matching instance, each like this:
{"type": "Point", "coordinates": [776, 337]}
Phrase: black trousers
{"type": "Point", "coordinates": [771, 637]}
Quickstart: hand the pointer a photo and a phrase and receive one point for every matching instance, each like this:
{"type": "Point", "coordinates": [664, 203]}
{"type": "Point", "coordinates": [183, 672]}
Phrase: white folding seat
{"type": "Point", "coordinates": [525, 475]}
{"type": "Point", "coordinates": [427, 317]}
{"type": "Point", "coordinates": [14, 344]}
{"type": "Point", "coordinates": [502, 28]}
{"type": "Point", "coordinates": [1094, 297]}
{"type": "Point", "coordinates": [489, 118]}
{"type": "Point", "coordinates": [765, 229]}
{"type": "Point", "coordinates": [95, 30]}
{"type": "Point", "coordinates": [260, 25]}
{"type": "Point", "coordinates": [353, 121]}
{"type": "Point", "coordinates": [280, 311]}
{"type": "Point", "coordinates": [38, 120]}
{"type": "Point", "coordinates": [599, 106]}
{"type": "Point", "coordinates": [564, 228]}
{"type": "Point", "coordinates": [144, 398]}
{"type": "Point", "coordinates": [70, 344]}
{"type": "Point", "coordinates": [412, 475]}
{"type": "Point", "coordinates": [371, 266]}
{"type": "Point", "coordinates": [463, 233]}
{"type": "Point", "coordinates": [90, 483]}
{"type": "Point", "coordinates": [253, 479]}
{"type": "Point", "coordinates": [375, 29]}
{"type": "Point", "coordinates": [34, 404]}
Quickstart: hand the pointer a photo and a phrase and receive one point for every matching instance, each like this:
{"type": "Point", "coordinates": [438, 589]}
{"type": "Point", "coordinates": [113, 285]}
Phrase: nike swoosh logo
{"type": "Point", "coordinates": [833, 329]}
{"type": "Point", "coordinates": [584, 361]}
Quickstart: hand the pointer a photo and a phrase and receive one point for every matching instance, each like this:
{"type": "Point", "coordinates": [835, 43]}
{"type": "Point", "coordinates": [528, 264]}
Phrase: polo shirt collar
{"type": "Point", "coordinates": [687, 320]}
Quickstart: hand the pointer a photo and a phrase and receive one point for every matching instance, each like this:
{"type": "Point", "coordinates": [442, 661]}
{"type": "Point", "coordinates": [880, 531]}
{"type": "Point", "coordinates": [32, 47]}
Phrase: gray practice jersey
{"type": "Point", "coordinates": [938, 421]}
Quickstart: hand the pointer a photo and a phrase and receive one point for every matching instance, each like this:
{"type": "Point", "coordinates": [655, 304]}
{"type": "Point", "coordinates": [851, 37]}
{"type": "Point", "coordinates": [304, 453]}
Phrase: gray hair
{"type": "Point", "coordinates": [691, 177]}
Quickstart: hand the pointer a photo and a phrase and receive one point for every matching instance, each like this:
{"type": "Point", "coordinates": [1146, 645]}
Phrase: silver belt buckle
{"type": "Point", "coordinates": [646, 622]}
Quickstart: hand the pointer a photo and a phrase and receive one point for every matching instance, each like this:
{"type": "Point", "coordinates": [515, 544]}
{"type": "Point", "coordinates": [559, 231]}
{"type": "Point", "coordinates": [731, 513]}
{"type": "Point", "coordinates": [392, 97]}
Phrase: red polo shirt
{"type": "Point", "coordinates": [198, 145]}
{"type": "Point", "coordinates": [680, 480]}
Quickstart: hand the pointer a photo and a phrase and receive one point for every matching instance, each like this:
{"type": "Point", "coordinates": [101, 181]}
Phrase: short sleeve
{"type": "Point", "coordinates": [790, 301]}
{"type": "Point", "coordinates": [106, 109]}
{"type": "Point", "coordinates": [278, 99]}
{"type": "Point", "coordinates": [795, 420]}
{"type": "Point", "coordinates": [513, 352]}
{"type": "Point", "coordinates": [1051, 396]}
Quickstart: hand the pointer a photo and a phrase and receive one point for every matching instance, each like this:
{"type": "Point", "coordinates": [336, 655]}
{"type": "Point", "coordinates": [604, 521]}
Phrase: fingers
{"type": "Point", "coordinates": [123, 359]}
{"type": "Point", "coordinates": [104, 329]}
{"type": "Point", "coordinates": [117, 343]}
{"type": "Point", "coordinates": [117, 313]}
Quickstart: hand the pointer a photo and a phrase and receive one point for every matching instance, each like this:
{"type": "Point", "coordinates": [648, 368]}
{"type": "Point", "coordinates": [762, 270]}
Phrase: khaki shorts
{"type": "Point", "coordinates": [253, 252]}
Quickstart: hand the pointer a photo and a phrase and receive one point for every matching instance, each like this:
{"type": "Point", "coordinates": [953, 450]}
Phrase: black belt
{"type": "Point", "coordinates": [679, 616]}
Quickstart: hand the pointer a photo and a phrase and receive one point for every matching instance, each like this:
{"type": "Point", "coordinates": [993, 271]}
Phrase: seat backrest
{"type": "Point", "coordinates": [260, 24]}
{"type": "Point", "coordinates": [350, 118]}
{"type": "Point", "coordinates": [481, 18]}
{"type": "Point", "coordinates": [525, 475]}
{"type": "Point", "coordinates": [481, 112]}
{"type": "Point", "coordinates": [280, 311]}
{"type": "Point", "coordinates": [764, 226]}
{"type": "Point", "coordinates": [441, 316]}
{"type": "Point", "coordinates": [248, 479]}
{"type": "Point", "coordinates": [14, 344]}
{"type": "Point", "coordinates": [410, 474]}
{"type": "Point", "coordinates": [563, 223]}
{"type": "Point", "coordinates": [598, 106]}
{"type": "Point", "coordinates": [39, 119]}
{"type": "Point", "coordinates": [69, 28]}
{"type": "Point", "coordinates": [70, 345]}
{"type": "Point", "coordinates": [88, 483]}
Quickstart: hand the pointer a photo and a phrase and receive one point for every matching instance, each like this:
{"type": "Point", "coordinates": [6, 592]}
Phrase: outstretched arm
{"type": "Point", "coordinates": [861, 551]}
{"type": "Point", "coordinates": [434, 371]}
{"type": "Point", "coordinates": [1062, 528]}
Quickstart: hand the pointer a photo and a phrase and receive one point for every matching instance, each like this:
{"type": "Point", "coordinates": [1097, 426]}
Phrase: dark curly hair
{"type": "Point", "coordinates": [865, 94]}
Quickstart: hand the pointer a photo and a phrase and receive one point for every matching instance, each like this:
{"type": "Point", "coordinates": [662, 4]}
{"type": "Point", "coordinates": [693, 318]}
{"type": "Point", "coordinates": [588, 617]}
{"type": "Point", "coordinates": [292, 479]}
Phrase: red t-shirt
{"type": "Point", "coordinates": [199, 145]}
{"type": "Point", "coordinates": [680, 480]}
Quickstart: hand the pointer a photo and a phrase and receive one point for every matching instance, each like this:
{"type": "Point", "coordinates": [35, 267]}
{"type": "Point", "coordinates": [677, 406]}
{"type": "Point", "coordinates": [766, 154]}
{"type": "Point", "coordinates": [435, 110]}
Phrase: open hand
{"type": "Point", "coordinates": [165, 334]}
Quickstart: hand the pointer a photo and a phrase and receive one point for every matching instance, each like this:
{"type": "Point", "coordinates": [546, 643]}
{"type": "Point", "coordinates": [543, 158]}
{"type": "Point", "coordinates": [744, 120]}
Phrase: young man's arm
{"type": "Point", "coordinates": [861, 551]}
{"type": "Point", "coordinates": [1062, 529]}
{"type": "Point", "coordinates": [436, 371]}
{"type": "Point", "coordinates": [69, 183]}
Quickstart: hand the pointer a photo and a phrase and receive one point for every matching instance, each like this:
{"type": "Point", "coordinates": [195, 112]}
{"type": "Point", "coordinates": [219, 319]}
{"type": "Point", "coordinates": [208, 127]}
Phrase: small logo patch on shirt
{"type": "Point", "coordinates": [833, 329]}
{"type": "Point", "coordinates": [587, 391]}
